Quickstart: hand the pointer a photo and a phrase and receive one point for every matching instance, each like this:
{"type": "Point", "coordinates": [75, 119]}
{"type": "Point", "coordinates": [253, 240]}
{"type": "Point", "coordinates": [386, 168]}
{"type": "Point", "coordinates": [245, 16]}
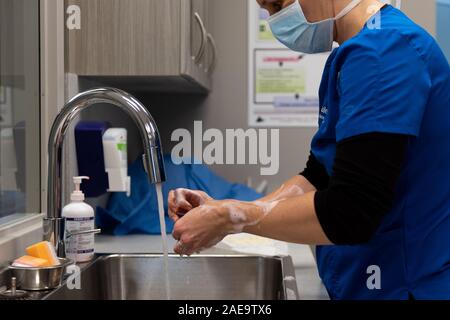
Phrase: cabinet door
{"type": "Point", "coordinates": [125, 38]}
{"type": "Point", "coordinates": [210, 57]}
{"type": "Point", "coordinates": [194, 15]}
{"type": "Point", "coordinates": [199, 29]}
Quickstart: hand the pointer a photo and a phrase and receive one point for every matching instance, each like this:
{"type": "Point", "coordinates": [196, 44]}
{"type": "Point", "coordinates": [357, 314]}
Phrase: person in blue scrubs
{"type": "Point", "coordinates": [375, 194]}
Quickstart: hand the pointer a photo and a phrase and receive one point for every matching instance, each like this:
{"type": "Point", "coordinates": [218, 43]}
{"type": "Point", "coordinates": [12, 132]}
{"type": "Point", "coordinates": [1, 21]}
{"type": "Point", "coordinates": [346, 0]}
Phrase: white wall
{"type": "Point", "coordinates": [422, 12]}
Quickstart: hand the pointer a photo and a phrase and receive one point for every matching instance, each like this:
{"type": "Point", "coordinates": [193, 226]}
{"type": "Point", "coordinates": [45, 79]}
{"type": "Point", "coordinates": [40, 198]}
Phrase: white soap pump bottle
{"type": "Point", "coordinates": [79, 216]}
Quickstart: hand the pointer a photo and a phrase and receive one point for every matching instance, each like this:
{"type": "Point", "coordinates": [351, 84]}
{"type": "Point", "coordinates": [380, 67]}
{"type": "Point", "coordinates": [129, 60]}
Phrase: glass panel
{"type": "Point", "coordinates": [19, 107]}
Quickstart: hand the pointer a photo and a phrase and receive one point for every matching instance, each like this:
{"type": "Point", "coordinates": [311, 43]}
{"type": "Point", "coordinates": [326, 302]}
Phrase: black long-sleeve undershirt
{"type": "Point", "coordinates": [351, 204]}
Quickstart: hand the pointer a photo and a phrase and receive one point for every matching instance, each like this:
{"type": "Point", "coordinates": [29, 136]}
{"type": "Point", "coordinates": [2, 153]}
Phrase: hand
{"type": "Point", "coordinates": [202, 227]}
{"type": "Point", "coordinates": [181, 201]}
{"type": "Point", "coordinates": [207, 225]}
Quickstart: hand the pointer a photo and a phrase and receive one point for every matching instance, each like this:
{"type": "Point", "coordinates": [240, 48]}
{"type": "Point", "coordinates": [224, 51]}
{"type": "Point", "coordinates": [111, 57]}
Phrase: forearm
{"type": "Point", "coordinates": [286, 214]}
{"type": "Point", "coordinates": [292, 220]}
{"type": "Point", "coordinates": [294, 187]}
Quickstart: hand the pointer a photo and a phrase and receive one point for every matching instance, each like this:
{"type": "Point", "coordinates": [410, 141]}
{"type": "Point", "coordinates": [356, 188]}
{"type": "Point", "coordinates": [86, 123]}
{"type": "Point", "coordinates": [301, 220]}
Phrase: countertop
{"type": "Point", "coordinates": [309, 284]}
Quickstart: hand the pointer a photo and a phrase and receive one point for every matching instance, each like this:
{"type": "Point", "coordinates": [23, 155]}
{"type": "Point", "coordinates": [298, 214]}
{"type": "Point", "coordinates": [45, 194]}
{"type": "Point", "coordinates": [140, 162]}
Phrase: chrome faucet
{"type": "Point", "coordinates": [54, 223]}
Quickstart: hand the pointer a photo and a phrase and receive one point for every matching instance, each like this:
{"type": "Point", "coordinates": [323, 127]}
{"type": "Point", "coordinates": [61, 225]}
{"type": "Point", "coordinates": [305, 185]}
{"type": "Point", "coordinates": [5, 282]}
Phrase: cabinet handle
{"type": "Point", "coordinates": [201, 51]}
{"type": "Point", "coordinates": [212, 43]}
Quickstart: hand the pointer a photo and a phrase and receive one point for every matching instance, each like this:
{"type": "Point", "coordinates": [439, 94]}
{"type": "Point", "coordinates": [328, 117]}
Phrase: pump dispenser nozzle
{"type": "Point", "coordinates": [78, 195]}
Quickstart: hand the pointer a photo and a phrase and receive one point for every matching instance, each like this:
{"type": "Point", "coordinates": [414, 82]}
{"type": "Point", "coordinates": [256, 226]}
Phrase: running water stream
{"type": "Point", "coordinates": [162, 222]}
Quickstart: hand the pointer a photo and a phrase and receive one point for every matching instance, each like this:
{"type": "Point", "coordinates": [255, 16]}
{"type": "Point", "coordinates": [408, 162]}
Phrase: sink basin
{"type": "Point", "coordinates": [141, 277]}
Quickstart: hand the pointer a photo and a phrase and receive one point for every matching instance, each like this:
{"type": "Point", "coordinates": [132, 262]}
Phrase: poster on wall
{"type": "Point", "coordinates": [283, 84]}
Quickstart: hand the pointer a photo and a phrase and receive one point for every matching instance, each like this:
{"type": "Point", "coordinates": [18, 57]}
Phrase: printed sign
{"type": "Point", "coordinates": [283, 84]}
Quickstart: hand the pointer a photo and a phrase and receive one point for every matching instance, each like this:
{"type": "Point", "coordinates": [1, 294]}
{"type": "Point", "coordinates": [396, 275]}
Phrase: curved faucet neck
{"type": "Point", "coordinates": [153, 153]}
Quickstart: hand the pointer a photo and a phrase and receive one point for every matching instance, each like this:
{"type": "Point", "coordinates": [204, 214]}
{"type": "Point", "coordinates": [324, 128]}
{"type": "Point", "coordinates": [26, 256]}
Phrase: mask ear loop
{"type": "Point", "coordinates": [352, 5]}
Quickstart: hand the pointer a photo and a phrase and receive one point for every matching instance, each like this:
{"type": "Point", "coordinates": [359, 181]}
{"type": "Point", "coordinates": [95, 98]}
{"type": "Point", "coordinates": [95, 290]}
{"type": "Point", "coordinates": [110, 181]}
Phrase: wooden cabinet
{"type": "Point", "coordinates": [155, 44]}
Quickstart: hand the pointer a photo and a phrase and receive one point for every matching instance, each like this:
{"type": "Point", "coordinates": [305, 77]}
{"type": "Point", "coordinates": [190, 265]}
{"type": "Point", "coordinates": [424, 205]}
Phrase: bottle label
{"type": "Point", "coordinates": [80, 219]}
{"type": "Point", "coordinates": [80, 248]}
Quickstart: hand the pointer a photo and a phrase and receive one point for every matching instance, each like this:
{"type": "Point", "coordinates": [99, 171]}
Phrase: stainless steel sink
{"type": "Point", "coordinates": [141, 277]}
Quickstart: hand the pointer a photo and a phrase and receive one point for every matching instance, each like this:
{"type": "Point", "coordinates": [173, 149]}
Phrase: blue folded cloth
{"type": "Point", "coordinates": [138, 214]}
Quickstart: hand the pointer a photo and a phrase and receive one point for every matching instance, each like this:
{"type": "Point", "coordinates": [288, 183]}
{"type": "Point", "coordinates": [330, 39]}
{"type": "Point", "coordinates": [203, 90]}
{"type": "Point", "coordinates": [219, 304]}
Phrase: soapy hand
{"type": "Point", "coordinates": [181, 201]}
{"type": "Point", "coordinates": [201, 228]}
{"type": "Point", "coordinates": [208, 224]}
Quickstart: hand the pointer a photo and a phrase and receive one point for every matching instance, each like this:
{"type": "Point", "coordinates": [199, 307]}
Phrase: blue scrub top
{"type": "Point", "coordinates": [393, 79]}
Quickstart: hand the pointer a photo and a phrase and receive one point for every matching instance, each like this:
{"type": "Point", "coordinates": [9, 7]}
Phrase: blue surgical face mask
{"type": "Point", "coordinates": [292, 29]}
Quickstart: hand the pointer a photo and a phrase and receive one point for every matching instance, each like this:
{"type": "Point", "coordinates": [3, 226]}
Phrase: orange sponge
{"type": "Point", "coordinates": [44, 250]}
{"type": "Point", "coordinates": [28, 261]}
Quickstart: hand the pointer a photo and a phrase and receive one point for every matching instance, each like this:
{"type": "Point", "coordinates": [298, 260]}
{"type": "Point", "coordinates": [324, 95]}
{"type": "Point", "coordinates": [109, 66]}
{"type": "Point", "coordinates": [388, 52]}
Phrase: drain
{"type": "Point", "coordinates": [14, 294]}
{"type": "Point", "coordinates": [17, 295]}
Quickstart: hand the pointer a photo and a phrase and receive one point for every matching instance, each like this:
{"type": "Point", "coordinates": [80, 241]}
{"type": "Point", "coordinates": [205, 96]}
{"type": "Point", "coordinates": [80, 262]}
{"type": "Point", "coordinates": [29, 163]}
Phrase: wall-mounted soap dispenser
{"type": "Point", "coordinates": [116, 160]}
